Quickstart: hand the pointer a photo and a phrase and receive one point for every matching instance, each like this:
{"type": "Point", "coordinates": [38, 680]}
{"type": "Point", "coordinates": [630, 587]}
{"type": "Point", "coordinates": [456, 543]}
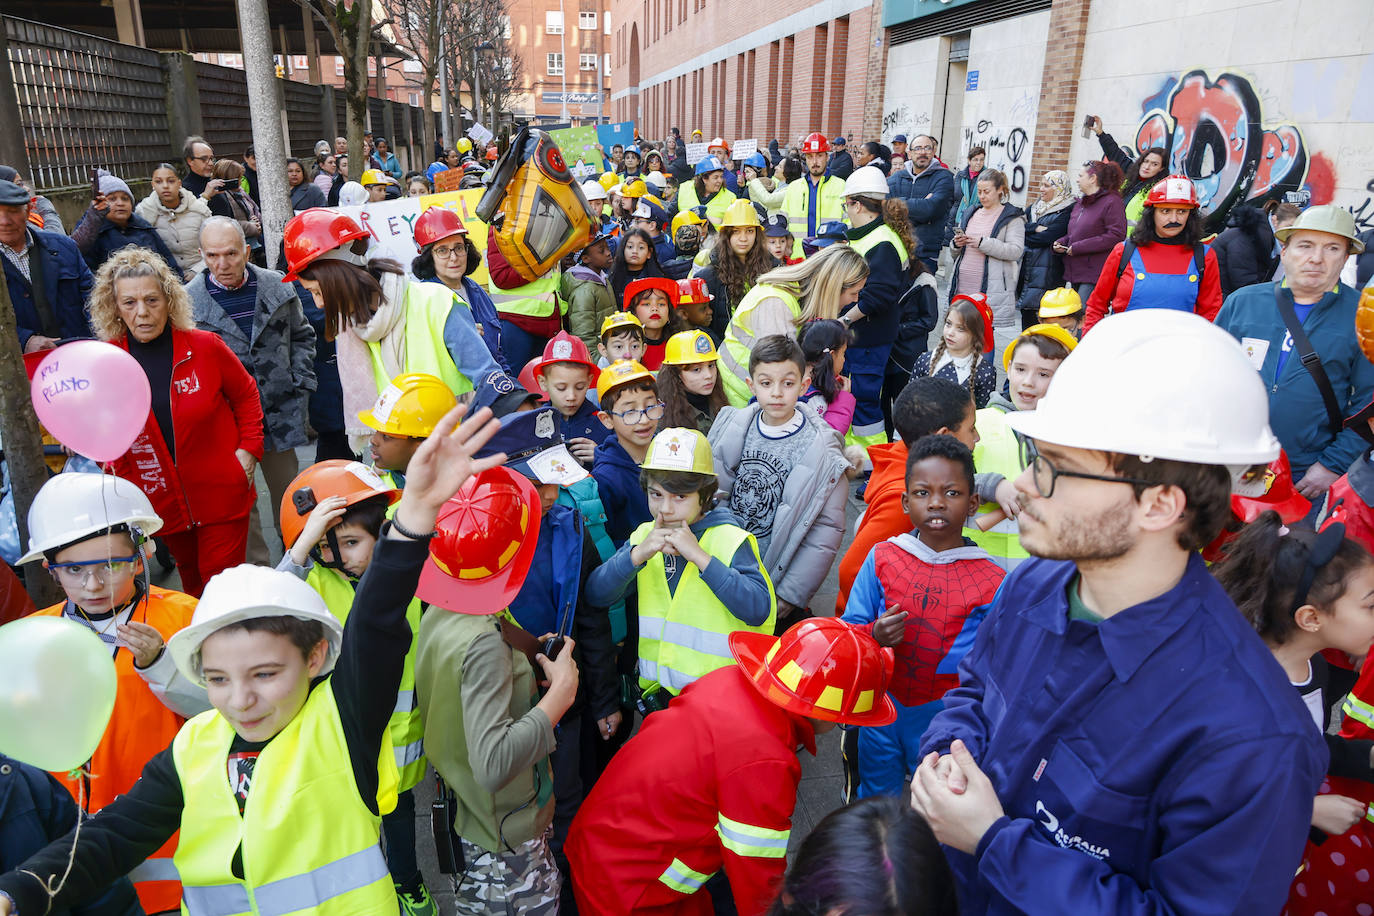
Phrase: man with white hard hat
{"type": "Point", "coordinates": [1121, 740]}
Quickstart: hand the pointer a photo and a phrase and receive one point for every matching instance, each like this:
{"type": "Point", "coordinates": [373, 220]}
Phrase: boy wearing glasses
{"type": "Point", "coordinates": [89, 530]}
{"type": "Point", "coordinates": [630, 409]}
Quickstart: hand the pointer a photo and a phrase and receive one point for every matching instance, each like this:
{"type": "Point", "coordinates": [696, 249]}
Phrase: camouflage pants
{"type": "Point", "coordinates": [520, 883]}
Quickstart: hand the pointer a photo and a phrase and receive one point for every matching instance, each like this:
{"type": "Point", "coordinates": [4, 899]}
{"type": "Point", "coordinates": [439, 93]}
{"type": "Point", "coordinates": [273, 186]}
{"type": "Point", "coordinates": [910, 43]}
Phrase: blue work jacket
{"type": "Point", "coordinates": [1156, 762]}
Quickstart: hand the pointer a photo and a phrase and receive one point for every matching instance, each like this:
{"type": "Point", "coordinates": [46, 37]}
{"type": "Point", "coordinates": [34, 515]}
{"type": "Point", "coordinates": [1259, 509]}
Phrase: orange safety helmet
{"type": "Point", "coordinates": [668, 287]}
{"type": "Point", "coordinates": [1271, 490]}
{"type": "Point", "coordinates": [815, 143]}
{"type": "Point", "coordinates": [1174, 191]}
{"type": "Point", "coordinates": [692, 292]}
{"type": "Point", "coordinates": [719, 143]}
{"type": "Point", "coordinates": [313, 233]}
{"type": "Point", "coordinates": [483, 544]}
{"type": "Point", "coordinates": [980, 302]}
{"type": "Point", "coordinates": [437, 224]}
{"type": "Point", "coordinates": [529, 382]}
{"type": "Point", "coordinates": [822, 668]}
{"type": "Point", "coordinates": [565, 348]}
{"type": "Point", "coordinates": [352, 480]}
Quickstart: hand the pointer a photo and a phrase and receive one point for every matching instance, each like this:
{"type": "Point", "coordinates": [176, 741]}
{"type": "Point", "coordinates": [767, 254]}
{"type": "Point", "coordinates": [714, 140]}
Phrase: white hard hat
{"type": "Point", "coordinates": [593, 190]}
{"type": "Point", "coordinates": [1157, 383]}
{"type": "Point", "coordinates": [656, 178]}
{"type": "Point", "coordinates": [866, 182]}
{"type": "Point", "coordinates": [248, 592]}
{"type": "Point", "coordinates": [72, 507]}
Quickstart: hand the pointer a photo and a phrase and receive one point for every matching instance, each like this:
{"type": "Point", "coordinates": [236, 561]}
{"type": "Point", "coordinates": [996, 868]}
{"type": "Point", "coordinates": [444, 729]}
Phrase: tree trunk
{"type": "Point", "coordinates": [265, 114]}
{"type": "Point", "coordinates": [23, 447]}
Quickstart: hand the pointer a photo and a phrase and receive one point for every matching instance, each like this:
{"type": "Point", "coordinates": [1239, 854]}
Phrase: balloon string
{"type": "Point", "coordinates": [80, 774]}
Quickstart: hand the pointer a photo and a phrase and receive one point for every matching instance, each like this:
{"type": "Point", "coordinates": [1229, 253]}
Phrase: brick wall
{"type": "Point", "coordinates": [1055, 126]}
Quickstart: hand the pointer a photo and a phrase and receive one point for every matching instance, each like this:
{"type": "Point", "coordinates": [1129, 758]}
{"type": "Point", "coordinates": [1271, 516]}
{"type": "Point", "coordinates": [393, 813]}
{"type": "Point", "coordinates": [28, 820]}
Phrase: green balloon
{"type": "Point", "coordinates": [57, 692]}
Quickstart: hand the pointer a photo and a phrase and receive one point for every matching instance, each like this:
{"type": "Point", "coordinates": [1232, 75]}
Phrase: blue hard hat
{"type": "Point", "coordinates": [757, 161]}
{"type": "Point", "coordinates": [633, 148]}
{"type": "Point", "coordinates": [708, 165]}
{"type": "Point", "coordinates": [827, 233]}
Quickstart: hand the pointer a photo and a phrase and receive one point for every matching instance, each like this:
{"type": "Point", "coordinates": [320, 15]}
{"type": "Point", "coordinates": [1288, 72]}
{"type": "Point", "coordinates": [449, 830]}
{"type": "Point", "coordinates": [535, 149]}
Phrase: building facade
{"type": "Point", "coordinates": [564, 61]}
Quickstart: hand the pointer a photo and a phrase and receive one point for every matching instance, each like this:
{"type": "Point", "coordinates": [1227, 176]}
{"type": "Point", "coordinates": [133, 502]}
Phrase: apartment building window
{"type": "Point", "coordinates": [606, 24]}
{"type": "Point", "coordinates": [587, 20]}
{"type": "Point", "coordinates": [553, 22]}
{"type": "Point", "coordinates": [586, 61]}
{"type": "Point", "coordinates": [555, 65]}
{"type": "Point", "coordinates": [414, 99]}
{"type": "Point", "coordinates": [607, 69]}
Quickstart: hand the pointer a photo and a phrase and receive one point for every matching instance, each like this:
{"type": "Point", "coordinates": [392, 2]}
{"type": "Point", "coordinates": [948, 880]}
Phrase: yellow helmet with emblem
{"type": "Point", "coordinates": [678, 449]}
{"type": "Point", "coordinates": [687, 348]}
{"type": "Point", "coordinates": [412, 405]}
{"type": "Point", "coordinates": [620, 372]}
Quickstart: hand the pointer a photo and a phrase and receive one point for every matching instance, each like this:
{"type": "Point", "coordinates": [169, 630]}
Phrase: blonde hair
{"type": "Point", "coordinates": [131, 262]}
{"type": "Point", "coordinates": [818, 281]}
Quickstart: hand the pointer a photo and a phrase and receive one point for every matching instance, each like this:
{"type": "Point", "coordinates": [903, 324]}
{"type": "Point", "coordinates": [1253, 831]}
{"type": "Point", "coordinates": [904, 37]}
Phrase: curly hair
{"type": "Point", "coordinates": [129, 263]}
{"type": "Point", "coordinates": [738, 273]}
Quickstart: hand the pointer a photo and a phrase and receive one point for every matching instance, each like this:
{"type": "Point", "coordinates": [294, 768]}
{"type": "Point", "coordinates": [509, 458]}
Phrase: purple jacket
{"type": "Point", "coordinates": [1096, 225]}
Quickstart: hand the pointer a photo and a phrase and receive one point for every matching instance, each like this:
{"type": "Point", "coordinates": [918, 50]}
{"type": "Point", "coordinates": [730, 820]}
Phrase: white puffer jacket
{"type": "Point", "coordinates": [178, 228]}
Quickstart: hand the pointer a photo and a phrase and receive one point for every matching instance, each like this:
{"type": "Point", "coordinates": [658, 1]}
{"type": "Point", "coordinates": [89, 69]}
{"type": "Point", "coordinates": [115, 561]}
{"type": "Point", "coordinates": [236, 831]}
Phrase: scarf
{"type": "Point", "coordinates": [387, 329]}
{"type": "Point", "coordinates": [1063, 195]}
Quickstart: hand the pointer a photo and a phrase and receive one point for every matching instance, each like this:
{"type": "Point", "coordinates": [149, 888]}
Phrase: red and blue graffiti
{"type": "Point", "coordinates": [1215, 135]}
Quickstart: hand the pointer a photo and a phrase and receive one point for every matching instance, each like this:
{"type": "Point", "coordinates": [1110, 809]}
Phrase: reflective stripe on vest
{"type": "Point", "coordinates": [797, 199]}
{"type": "Point", "coordinates": [306, 841]}
{"type": "Point", "coordinates": [684, 879]}
{"type": "Point", "coordinates": [740, 339]}
{"type": "Point", "coordinates": [538, 299]}
{"type": "Point", "coordinates": [156, 869]}
{"type": "Point", "coordinates": [883, 233]}
{"type": "Point", "coordinates": [427, 306]}
{"type": "Point", "coordinates": [1358, 710]}
{"type": "Point", "coordinates": [747, 840]}
{"type": "Point", "coordinates": [406, 726]}
{"type": "Point", "coordinates": [685, 635]}
{"type": "Point", "coordinates": [998, 451]}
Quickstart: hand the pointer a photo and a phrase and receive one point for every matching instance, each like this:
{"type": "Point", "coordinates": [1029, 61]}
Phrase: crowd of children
{"type": "Point", "coordinates": [587, 607]}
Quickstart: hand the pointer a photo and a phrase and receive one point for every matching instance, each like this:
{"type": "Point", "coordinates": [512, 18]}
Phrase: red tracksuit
{"type": "Point", "coordinates": [710, 782]}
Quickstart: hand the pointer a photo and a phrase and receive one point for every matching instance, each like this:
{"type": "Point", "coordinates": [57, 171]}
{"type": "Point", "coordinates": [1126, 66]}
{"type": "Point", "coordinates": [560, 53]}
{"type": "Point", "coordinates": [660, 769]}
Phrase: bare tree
{"type": "Point", "coordinates": [482, 23]}
{"type": "Point", "coordinates": [415, 28]}
{"type": "Point", "coordinates": [350, 26]}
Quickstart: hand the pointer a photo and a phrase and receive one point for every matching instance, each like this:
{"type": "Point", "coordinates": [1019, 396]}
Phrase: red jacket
{"type": "Point", "coordinates": [710, 782]}
{"type": "Point", "coordinates": [883, 518]}
{"type": "Point", "coordinates": [215, 410]}
{"type": "Point", "coordinates": [1113, 296]}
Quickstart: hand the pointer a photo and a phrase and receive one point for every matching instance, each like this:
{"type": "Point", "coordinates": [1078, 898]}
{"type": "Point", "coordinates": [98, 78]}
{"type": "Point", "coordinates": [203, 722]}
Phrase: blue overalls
{"type": "Point", "coordinates": [1164, 291]}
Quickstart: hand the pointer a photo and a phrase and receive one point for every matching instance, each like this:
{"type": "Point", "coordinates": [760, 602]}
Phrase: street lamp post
{"type": "Point", "coordinates": [479, 54]}
{"type": "Point", "coordinates": [563, 50]}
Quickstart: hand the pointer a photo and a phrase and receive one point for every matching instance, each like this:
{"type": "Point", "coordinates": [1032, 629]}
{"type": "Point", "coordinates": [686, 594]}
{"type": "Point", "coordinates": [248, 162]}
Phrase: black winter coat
{"type": "Point", "coordinates": [1245, 250]}
{"type": "Point", "coordinates": [920, 307]}
{"type": "Point", "coordinates": [1042, 268]}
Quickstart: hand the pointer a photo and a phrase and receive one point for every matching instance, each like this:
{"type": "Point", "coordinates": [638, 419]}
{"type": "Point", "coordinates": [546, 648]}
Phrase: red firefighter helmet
{"type": "Point", "coordinates": [565, 348]}
{"type": "Point", "coordinates": [693, 292]}
{"type": "Point", "coordinates": [529, 382]}
{"type": "Point", "coordinates": [815, 143]}
{"type": "Point", "coordinates": [437, 224]}
{"type": "Point", "coordinates": [1271, 490]}
{"type": "Point", "coordinates": [483, 544]}
{"type": "Point", "coordinates": [352, 480]}
{"type": "Point", "coordinates": [980, 302]}
{"type": "Point", "coordinates": [822, 668]}
{"type": "Point", "coordinates": [314, 232]}
{"type": "Point", "coordinates": [1174, 191]}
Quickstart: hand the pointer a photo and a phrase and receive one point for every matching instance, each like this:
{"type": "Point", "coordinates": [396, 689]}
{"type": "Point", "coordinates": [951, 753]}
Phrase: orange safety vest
{"type": "Point", "coordinates": [139, 728]}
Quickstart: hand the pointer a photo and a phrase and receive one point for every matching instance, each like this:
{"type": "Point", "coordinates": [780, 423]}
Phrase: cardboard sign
{"type": "Point", "coordinates": [743, 149]}
{"type": "Point", "coordinates": [697, 152]}
{"type": "Point", "coordinates": [479, 134]}
{"type": "Point", "coordinates": [448, 180]}
{"type": "Point", "coordinates": [391, 223]}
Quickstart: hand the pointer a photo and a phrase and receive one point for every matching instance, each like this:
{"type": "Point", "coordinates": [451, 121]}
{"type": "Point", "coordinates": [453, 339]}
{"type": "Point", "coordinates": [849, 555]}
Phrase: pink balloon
{"type": "Point", "coordinates": [93, 397]}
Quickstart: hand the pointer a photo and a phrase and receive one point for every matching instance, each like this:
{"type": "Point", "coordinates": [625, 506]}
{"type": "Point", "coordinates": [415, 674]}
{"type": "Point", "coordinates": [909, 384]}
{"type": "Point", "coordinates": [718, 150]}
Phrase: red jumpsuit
{"type": "Point", "coordinates": [708, 783]}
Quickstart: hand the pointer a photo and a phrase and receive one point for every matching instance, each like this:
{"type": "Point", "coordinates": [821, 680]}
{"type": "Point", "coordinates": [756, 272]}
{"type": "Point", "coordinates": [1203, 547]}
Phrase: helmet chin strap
{"type": "Point", "coordinates": [337, 562]}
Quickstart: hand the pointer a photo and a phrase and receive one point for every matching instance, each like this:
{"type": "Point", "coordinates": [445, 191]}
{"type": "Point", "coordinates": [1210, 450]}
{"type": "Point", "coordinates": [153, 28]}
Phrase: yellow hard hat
{"type": "Point", "coordinates": [608, 180]}
{"type": "Point", "coordinates": [1052, 331]}
{"type": "Point", "coordinates": [740, 215]}
{"type": "Point", "coordinates": [678, 449]}
{"type": "Point", "coordinates": [464, 145]}
{"type": "Point", "coordinates": [687, 218]}
{"type": "Point", "coordinates": [410, 406]}
{"type": "Point", "coordinates": [687, 348]}
{"type": "Point", "coordinates": [1059, 302]}
{"type": "Point", "coordinates": [371, 177]}
{"type": "Point", "coordinates": [635, 188]}
{"type": "Point", "coordinates": [620, 372]}
{"type": "Point", "coordinates": [620, 320]}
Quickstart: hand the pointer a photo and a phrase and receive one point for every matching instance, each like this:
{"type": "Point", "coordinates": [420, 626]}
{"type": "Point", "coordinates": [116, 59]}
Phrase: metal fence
{"type": "Point", "coordinates": [224, 108]}
{"type": "Point", "coordinates": [85, 102]}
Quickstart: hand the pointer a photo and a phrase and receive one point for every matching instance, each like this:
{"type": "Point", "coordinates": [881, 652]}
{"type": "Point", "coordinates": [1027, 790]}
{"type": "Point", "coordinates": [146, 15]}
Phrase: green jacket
{"type": "Point", "coordinates": [590, 302]}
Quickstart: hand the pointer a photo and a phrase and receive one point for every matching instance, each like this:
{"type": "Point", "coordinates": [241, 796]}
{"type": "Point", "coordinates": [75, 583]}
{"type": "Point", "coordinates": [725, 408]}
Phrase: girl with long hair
{"type": "Point", "coordinates": [959, 354]}
{"type": "Point", "coordinates": [736, 262]}
{"type": "Point", "coordinates": [635, 259]}
{"type": "Point", "coordinates": [689, 383]}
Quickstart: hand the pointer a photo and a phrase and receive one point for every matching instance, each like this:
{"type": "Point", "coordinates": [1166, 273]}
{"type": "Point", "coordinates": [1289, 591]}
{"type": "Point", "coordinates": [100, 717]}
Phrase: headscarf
{"type": "Point", "coordinates": [1063, 195]}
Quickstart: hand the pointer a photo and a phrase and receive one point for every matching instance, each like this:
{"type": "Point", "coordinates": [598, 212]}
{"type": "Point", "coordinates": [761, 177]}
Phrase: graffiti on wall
{"type": "Point", "coordinates": [1008, 150]}
{"type": "Point", "coordinates": [1214, 133]}
{"type": "Point", "coordinates": [901, 121]}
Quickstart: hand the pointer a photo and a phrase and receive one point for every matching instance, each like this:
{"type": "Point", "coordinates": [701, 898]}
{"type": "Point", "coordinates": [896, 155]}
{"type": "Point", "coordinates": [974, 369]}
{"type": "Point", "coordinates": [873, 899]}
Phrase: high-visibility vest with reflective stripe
{"type": "Point", "coordinates": [883, 233]}
{"type": "Point", "coordinates": [140, 727]}
{"type": "Point", "coordinates": [307, 842]}
{"type": "Point", "coordinates": [998, 450]}
{"type": "Point", "coordinates": [740, 339]}
{"type": "Point", "coordinates": [427, 306]}
{"type": "Point", "coordinates": [538, 299]}
{"type": "Point", "coordinates": [797, 198]}
{"type": "Point", "coordinates": [685, 634]}
{"type": "Point", "coordinates": [1358, 710]}
{"type": "Point", "coordinates": [407, 727]}
{"type": "Point", "coordinates": [715, 207]}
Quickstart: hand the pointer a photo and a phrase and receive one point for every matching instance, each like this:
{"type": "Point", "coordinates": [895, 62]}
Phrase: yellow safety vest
{"type": "Point", "coordinates": [998, 450]}
{"type": "Point", "coordinates": [740, 339]}
{"type": "Point", "coordinates": [797, 198]}
{"type": "Point", "coordinates": [883, 233]}
{"type": "Point", "coordinates": [406, 727]}
{"type": "Point", "coordinates": [715, 208]}
{"type": "Point", "coordinates": [427, 306]}
{"type": "Point", "coordinates": [534, 300]}
{"type": "Point", "coordinates": [686, 634]}
{"type": "Point", "coordinates": [308, 843]}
